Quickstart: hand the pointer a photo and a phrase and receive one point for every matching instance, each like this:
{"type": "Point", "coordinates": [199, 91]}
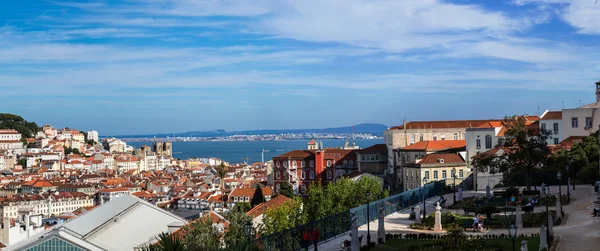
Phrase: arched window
{"type": "Point", "coordinates": [311, 175]}
{"type": "Point", "coordinates": [312, 163]}
{"type": "Point", "coordinates": [351, 162]}
{"type": "Point", "coordinates": [285, 164]}
{"type": "Point", "coordinates": [303, 175]}
{"type": "Point", "coordinates": [303, 164]}
{"type": "Point", "coordinates": [277, 175]}
{"type": "Point", "coordinates": [345, 162]}
{"type": "Point", "coordinates": [488, 142]}
{"type": "Point", "coordinates": [278, 164]}
{"type": "Point", "coordinates": [328, 163]}
{"type": "Point", "coordinates": [329, 175]}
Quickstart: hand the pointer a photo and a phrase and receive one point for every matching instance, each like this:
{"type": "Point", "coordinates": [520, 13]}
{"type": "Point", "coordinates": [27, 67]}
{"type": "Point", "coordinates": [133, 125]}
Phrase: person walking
{"type": "Point", "coordinates": [475, 222]}
{"type": "Point", "coordinates": [315, 238]}
{"type": "Point", "coordinates": [306, 239]}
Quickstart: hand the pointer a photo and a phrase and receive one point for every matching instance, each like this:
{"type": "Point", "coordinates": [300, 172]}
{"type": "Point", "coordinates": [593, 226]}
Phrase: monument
{"type": "Point", "coordinates": [519, 217]}
{"type": "Point", "coordinates": [380, 222]}
{"type": "Point", "coordinates": [543, 239]}
{"type": "Point", "coordinates": [438, 218]}
{"type": "Point", "coordinates": [354, 244]}
{"type": "Point", "coordinates": [558, 207]}
{"type": "Point", "coordinates": [550, 225]}
{"type": "Point", "coordinates": [418, 214]}
{"type": "Point", "coordinates": [524, 245]}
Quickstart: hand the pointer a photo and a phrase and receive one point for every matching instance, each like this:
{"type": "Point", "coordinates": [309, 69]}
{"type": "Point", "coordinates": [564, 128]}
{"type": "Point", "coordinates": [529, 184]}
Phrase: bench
{"type": "Point", "coordinates": [527, 209]}
{"type": "Point", "coordinates": [498, 193]}
{"type": "Point", "coordinates": [531, 192]}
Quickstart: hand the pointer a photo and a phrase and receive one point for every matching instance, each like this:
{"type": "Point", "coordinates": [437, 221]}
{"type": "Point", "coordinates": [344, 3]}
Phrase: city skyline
{"type": "Point", "coordinates": [137, 67]}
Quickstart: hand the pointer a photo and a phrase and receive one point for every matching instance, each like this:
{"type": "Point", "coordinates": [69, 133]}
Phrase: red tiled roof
{"type": "Point", "coordinates": [312, 142]}
{"type": "Point", "coordinates": [552, 115]}
{"type": "Point", "coordinates": [570, 141]}
{"type": "Point", "coordinates": [436, 145]}
{"type": "Point", "coordinates": [249, 192]}
{"type": "Point", "coordinates": [374, 149]}
{"type": "Point", "coordinates": [299, 154]}
{"type": "Point", "coordinates": [435, 158]}
{"type": "Point", "coordinates": [444, 124]}
{"type": "Point", "coordinates": [262, 207]}
{"type": "Point", "coordinates": [38, 183]}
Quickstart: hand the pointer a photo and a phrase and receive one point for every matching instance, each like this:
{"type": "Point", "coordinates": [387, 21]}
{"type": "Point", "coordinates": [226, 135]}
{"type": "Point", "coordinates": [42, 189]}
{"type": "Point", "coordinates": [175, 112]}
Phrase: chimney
{"type": "Point", "coordinates": [598, 91]}
{"type": "Point", "coordinates": [319, 163]}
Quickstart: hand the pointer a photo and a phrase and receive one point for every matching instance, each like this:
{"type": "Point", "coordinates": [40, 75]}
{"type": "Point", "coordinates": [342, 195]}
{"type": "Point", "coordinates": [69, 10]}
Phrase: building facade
{"type": "Point", "coordinates": [551, 122]}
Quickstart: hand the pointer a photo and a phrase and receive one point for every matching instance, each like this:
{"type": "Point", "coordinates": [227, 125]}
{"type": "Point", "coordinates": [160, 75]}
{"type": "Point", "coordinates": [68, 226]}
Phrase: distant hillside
{"type": "Point", "coordinates": [16, 122]}
{"type": "Point", "coordinates": [376, 129]}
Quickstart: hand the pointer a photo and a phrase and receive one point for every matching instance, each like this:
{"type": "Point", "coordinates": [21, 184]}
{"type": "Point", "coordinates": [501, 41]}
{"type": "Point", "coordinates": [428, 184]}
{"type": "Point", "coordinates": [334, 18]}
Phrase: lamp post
{"type": "Point", "coordinates": [559, 177]}
{"type": "Point", "coordinates": [424, 206]}
{"type": "Point", "coordinates": [249, 231]}
{"type": "Point", "coordinates": [568, 181]}
{"type": "Point", "coordinates": [547, 214]}
{"type": "Point", "coordinates": [454, 186]}
{"type": "Point", "coordinates": [368, 220]}
{"type": "Point", "coordinates": [512, 232]}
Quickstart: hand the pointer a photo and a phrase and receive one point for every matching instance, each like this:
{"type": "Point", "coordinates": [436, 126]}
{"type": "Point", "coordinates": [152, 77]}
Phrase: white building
{"type": "Point", "coordinates": [92, 135]}
{"type": "Point", "coordinates": [551, 122]}
{"type": "Point", "coordinates": [582, 121]}
{"type": "Point", "coordinates": [109, 194]}
{"type": "Point", "coordinates": [123, 224]}
{"type": "Point", "coordinates": [26, 224]}
{"type": "Point", "coordinates": [127, 163]}
{"type": "Point", "coordinates": [44, 204]}
{"type": "Point", "coordinates": [9, 134]}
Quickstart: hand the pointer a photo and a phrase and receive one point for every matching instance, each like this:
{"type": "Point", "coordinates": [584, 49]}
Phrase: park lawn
{"type": "Point", "coordinates": [533, 243]}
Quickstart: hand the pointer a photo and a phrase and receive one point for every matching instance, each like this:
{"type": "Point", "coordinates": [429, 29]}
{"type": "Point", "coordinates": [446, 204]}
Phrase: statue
{"type": "Point", "coordinates": [437, 227]}
{"type": "Point", "coordinates": [381, 223]}
{"type": "Point", "coordinates": [354, 244]}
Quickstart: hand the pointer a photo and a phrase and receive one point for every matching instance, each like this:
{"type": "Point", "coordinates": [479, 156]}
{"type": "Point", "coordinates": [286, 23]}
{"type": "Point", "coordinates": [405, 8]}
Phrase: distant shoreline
{"type": "Point", "coordinates": [244, 140]}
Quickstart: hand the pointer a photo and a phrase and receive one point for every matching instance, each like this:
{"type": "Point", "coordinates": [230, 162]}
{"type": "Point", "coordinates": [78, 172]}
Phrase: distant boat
{"type": "Point", "coordinates": [280, 150]}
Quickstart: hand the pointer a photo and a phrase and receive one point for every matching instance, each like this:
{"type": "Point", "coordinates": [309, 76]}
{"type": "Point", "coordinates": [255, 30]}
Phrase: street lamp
{"type": "Point", "coordinates": [424, 206]}
{"type": "Point", "coordinates": [368, 220]}
{"type": "Point", "coordinates": [559, 177]}
{"type": "Point", "coordinates": [512, 232]}
{"type": "Point", "coordinates": [547, 214]}
{"type": "Point", "coordinates": [454, 186]}
{"type": "Point", "coordinates": [249, 231]}
{"type": "Point", "coordinates": [568, 181]}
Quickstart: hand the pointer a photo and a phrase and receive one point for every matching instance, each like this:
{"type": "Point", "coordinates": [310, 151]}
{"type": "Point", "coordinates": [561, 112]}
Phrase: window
{"type": "Point", "coordinates": [543, 126]}
{"type": "Point", "coordinates": [435, 175]}
{"type": "Point", "coordinates": [421, 137]}
{"type": "Point", "coordinates": [478, 143]}
{"type": "Point", "coordinates": [574, 122]}
{"type": "Point", "coordinates": [294, 164]}
{"type": "Point", "coordinates": [303, 189]}
{"type": "Point", "coordinates": [277, 175]}
{"type": "Point", "coordinates": [434, 137]}
{"type": "Point", "coordinates": [412, 139]}
{"type": "Point", "coordinates": [278, 164]}
{"type": "Point", "coordinates": [460, 173]}
{"type": "Point", "coordinates": [464, 135]}
{"type": "Point", "coordinates": [376, 157]}
{"type": "Point", "coordinates": [352, 163]}
{"type": "Point", "coordinates": [426, 175]}
{"type": "Point", "coordinates": [345, 162]}
{"type": "Point", "coordinates": [329, 163]}
{"type": "Point", "coordinates": [588, 122]}
{"type": "Point", "coordinates": [444, 174]}
{"type": "Point", "coordinates": [329, 175]}
{"type": "Point", "coordinates": [452, 173]}
{"type": "Point", "coordinates": [362, 158]}
{"type": "Point", "coordinates": [278, 188]}
{"type": "Point", "coordinates": [285, 164]}
{"type": "Point", "coordinates": [555, 128]}
{"type": "Point", "coordinates": [372, 157]}
{"type": "Point", "coordinates": [556, 141]}
{"type": "Point", "coordinates": [488, 142]}
{"type": "Point", "coordinates": [312, 163]}
{"type": "Point", "coordinates": [443, 137]}
{"type": "Point", "coordinates": [303, 175]}
{"type": "Point", "coordinates": [311, 175]}
{"type": "Point", "coordinates": [455, 136]}
{"type": "Point", "coordinates": [303, 164]}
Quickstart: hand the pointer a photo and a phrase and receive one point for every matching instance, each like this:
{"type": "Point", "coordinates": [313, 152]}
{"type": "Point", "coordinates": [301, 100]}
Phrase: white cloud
{"type": "Point", "coordinates": [581, 14]}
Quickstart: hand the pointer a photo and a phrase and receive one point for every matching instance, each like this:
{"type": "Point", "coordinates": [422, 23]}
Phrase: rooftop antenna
{"type": "Point", "coordinates": [538, 111]}
{"type": "Point", "coordinates": [580, 102]}
{"type": "Point", "coordinates": [563, 103]}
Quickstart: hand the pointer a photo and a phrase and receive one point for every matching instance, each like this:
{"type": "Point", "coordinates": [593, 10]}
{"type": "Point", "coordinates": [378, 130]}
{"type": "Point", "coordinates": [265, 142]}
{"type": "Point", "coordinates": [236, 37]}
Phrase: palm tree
{"type": "Point", "coordinates": [221, 172]}
{"type": "Point", "coordinates": [165, 242]}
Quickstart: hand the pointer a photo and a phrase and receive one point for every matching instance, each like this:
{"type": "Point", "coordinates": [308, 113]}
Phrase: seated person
{"type": "Point", "coordinates": [596, 212]}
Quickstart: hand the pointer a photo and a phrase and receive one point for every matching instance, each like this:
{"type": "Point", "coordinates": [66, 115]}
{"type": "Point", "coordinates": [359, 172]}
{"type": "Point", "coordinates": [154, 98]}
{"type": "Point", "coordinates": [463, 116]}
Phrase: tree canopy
{"type": "Point", "coordinates": [201, 235]}
{"type": "Point", "coordinates": [257, 198]}
{"type": "Point", "coordinates": [15, 122]}
{"type": "Point", "coordinates": [522, 150]}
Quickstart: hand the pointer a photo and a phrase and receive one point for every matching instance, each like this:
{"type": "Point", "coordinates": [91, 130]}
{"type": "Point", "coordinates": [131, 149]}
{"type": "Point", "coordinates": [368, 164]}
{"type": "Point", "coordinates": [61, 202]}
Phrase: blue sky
{"type": "Point", "coordinates": [146, 66]}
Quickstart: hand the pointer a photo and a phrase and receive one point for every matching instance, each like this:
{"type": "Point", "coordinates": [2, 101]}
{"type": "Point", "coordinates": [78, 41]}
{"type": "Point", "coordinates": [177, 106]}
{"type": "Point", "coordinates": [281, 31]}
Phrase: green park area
{"type": "Point", "coordinates": [491, 244]}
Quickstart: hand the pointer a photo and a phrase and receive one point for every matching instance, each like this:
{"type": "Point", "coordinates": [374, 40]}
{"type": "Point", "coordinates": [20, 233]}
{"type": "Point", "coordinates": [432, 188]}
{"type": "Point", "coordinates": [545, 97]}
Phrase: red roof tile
{"type": "Point", "coordinates": [436, 145]}
{"type": "Point", "coordinates": [438, 158]}
{"type": "Point", "coordinates": [262, 207]}
{"type": "Point", "coordinates": [570, 141]}
{"type": "Point", "coordinates": [552, 115]}
{"type": "Point", "coordinates": [249, 192]}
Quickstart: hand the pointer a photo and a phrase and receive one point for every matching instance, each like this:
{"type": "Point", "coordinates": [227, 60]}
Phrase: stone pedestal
{"type": "Point", "coordinates": [381, 225]}
{"type": "Point", "coordinates": [438, 218]}
{"type": "Point", "coordinates": [488, 192]}
{"type": "Point", "coordinates": [418, 214]}
{"type": "Point", "coordinates": [524, 245]}
{"type": "Point", "coordinates": [558, 206]}
{"type": "Point", "coordinates": [354, 244]}
{"type": "Point", "coordinates": [551, 225]}
{"type": "Point", "coordinates": [543, 188]}
{"type": "Point", "coordinates": [543, 239]}
{"type": "Point", "coordinates": [519, 218]}
{"type": "Point", "coordinates": [460, 194]}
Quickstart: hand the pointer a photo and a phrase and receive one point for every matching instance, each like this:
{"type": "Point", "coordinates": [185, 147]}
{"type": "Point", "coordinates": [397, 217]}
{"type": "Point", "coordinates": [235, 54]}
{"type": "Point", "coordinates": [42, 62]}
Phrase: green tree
{"type": "Point", "coordinates": [221, 173]}
{"type": "Point", "coordinates": [15, 122]}
{"type": "Point", "coordinates": [288, 215]}
{"type": "Point", "coordinates": [523, 149]}
{"type": "Point", "coordinates": [257, 198]}
{"type": "Point", "coordinates": [22, 162]}
{"type": "Point", "coordinates": [201, 235]}
{"type": "Point", "coordinates": [285, 187]}
{"type": "Point", "coordinates": [242, 207]}
{"type": "Point", "coordinates": [235, 235]}
{"type": "Point", "coordinates": [165, 242]}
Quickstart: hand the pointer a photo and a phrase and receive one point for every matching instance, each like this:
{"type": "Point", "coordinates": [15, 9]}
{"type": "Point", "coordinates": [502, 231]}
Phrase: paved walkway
{"type": "Point", "coordinates": [580, 230]}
